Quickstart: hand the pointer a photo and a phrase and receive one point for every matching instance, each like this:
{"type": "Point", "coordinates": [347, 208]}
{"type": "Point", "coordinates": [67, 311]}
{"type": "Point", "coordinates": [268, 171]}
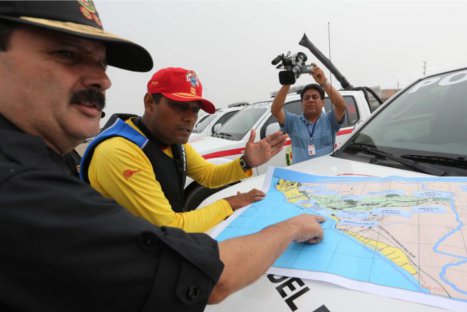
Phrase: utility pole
{"type": "Point", "coordinates": [329, 46]}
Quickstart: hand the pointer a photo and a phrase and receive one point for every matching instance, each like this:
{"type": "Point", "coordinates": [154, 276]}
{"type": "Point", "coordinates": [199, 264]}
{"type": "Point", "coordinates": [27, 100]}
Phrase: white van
{"type": "Point", "coordinates": [420, 132]}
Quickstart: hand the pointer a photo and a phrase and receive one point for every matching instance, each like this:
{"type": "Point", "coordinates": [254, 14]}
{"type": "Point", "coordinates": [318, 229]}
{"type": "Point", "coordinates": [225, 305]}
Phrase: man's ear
{"type": "Point", "coordinates": [148, 103]}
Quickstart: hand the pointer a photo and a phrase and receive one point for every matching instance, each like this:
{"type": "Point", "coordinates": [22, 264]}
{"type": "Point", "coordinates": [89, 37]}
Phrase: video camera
{"type": "Point", "coordinates": [294, 65]}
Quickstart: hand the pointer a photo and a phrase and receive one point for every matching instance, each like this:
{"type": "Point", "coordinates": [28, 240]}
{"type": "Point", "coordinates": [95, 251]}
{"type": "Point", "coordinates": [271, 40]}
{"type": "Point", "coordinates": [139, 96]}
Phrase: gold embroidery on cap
{"type": "Point", "coordinates": [86, 13]}
{"type": "Point", "coordinates": [89, 11]}
{"type": "Point", "coordinates": [88, 5]}
{"type": "Point", "coordinates": [97, 20]}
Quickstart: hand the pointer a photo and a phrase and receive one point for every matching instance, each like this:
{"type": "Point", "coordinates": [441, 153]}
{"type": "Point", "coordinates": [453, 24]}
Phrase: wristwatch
{"type": "Point", "coordinates": [243, 163]}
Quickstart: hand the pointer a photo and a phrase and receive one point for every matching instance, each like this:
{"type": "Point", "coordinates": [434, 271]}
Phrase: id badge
{"type": "Point", "coordinates": [311, 150]}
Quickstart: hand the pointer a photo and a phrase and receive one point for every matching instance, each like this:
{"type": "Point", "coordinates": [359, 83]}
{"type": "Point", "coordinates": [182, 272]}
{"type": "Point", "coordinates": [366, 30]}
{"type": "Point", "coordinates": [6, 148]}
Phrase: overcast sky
{"type": "Point", "coordinates": [230, 44]}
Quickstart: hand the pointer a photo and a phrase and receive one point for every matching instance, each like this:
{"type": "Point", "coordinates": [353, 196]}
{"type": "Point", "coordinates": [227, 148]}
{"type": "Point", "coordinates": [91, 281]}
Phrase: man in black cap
{"type": "Point", "coordinates": [64, 247]}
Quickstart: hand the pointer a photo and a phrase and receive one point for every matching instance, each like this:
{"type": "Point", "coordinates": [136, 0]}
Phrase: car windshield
{"type": "Point", "coordinates": [427, 123]}
{"type": "Point", "coordinates": [203, 123]}
{"type": "Point", "coordinates": [242, 122]}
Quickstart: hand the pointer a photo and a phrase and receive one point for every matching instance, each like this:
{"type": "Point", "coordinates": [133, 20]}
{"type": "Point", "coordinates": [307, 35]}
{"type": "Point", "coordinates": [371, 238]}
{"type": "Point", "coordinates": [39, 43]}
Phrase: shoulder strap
{"type": "Point", "coordinates": [118, 128]}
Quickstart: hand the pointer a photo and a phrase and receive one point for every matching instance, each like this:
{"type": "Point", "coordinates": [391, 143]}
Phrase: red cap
{"type": "Point", "coordinates": [180, 85]}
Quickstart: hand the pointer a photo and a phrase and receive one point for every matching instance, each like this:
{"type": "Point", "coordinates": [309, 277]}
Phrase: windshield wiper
{"type": "Point", "coordinates": [401, 160]}
{"type": "Point", "coordinates": [447, 161]}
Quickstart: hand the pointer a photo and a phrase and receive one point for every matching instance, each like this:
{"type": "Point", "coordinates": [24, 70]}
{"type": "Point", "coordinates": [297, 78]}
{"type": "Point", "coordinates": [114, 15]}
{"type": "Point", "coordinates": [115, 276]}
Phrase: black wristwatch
{"type": "Point", "coordinates": [243, 163]}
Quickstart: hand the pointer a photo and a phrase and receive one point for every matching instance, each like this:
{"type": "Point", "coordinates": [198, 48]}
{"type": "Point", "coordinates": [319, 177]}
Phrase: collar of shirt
{"type": "Point", "coordinates": [307, 122]}
{"type": "Point", "coordinates": [138, 122]}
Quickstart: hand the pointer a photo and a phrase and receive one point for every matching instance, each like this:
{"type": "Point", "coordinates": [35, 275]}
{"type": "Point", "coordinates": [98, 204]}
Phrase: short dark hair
{"type": "Point", "coordinates": [5, 31]}
{"type": "Point", "coordinates": [157, 97]}
{"type": "Point", "coordinates": [313, 86]}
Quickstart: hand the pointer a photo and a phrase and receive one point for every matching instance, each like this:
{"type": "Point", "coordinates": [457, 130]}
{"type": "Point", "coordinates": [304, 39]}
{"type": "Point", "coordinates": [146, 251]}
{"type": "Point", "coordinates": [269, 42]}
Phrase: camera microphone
{"type": "Point", "coordinates": [277, 59]}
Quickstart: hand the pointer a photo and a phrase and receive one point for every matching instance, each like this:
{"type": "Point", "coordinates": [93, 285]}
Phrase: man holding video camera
{"type": "Point", "coordinates": [313, 132]}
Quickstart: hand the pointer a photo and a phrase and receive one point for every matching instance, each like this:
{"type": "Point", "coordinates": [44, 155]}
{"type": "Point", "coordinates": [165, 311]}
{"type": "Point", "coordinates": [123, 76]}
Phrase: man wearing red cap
{"type": "Point", "coordinates": [143, 163]}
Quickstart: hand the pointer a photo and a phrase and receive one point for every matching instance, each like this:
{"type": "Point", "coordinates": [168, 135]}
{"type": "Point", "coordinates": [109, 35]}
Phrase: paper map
{"type": "Point", "coordinates": [396, 236]}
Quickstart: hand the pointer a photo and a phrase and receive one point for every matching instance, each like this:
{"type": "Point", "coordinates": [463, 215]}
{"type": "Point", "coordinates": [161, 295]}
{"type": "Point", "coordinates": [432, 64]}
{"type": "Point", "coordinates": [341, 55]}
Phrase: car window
{"type": "Point", "coordinates": [292, 106]}
{"type": "Point", "coordinates": [236, 127]}
{"type": "Point", "coordinates": [351, 113]}
{"type": "Point", "coordinates": [203, 123]}
{"type": "Point", "coordinates": [224, 118]}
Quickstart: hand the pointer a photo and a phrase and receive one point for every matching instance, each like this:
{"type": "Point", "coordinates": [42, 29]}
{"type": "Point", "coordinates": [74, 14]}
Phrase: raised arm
{"type": "Point", "coordinates": [246, 258]}
{"type": "Point", "coordinates": [278, 104]}
{"type": "Point", "coordinates": [336, 98]}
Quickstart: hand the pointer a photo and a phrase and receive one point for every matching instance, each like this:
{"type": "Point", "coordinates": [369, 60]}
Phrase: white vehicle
{"type": "Point", "coordinates": [229, 141]}
{"type": "Point", "coordinates": [421, 131]}
{"type": "Point", "coordinates": [209, 124]}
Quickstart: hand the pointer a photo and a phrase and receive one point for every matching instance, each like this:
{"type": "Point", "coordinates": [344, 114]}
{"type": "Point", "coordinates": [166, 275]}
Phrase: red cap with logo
{"type": "Point", "coordinates": [179, 85]}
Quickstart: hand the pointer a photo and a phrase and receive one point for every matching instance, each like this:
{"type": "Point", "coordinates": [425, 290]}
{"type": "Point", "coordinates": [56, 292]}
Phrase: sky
{"type": "Point", "coordinates": [230, 44]}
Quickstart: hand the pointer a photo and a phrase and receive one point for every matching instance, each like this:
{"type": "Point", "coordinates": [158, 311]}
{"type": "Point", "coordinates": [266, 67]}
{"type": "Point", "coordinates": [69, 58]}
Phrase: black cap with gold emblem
{"type": "Point", "coordinates": [77, 18]}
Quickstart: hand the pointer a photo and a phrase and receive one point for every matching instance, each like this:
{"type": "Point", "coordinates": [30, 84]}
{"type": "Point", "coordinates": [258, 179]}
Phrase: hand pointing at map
{"type": "Point", "coordinates": [308, 228]}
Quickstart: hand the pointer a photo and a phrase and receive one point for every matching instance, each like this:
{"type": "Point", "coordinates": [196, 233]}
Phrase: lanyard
{"type": "Point", "coordinates": [312, 130]}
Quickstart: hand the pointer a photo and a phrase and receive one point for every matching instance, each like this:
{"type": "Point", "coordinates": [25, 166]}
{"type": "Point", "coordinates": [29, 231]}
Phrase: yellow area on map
{"type": "Point", "coordinates": [392, 253]}
{"type": "Point", "coordinates": [290, 189]}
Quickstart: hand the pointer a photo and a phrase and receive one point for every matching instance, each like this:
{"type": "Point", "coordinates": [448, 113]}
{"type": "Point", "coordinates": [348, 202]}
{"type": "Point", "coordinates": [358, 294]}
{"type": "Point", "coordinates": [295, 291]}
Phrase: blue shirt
{"type": "Point", "coordinates": [302, 133]}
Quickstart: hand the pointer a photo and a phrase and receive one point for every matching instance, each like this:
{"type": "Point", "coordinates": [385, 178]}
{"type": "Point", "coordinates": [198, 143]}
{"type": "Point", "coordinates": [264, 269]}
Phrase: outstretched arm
{"type": "Point", "coordinates": [246, 258]}
{"type": "Point", "coordinates": [336, 98]}
{"type": "Point", "coordinates": [278, 104]}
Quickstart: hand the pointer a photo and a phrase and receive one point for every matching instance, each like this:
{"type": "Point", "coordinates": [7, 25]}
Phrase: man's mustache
{"type": "Point", "coordinates": [89, 96]}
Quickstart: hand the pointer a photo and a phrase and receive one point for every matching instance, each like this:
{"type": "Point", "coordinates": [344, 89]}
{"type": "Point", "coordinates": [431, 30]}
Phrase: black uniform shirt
{"type": "Point", "coordinates": [63, 247]}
